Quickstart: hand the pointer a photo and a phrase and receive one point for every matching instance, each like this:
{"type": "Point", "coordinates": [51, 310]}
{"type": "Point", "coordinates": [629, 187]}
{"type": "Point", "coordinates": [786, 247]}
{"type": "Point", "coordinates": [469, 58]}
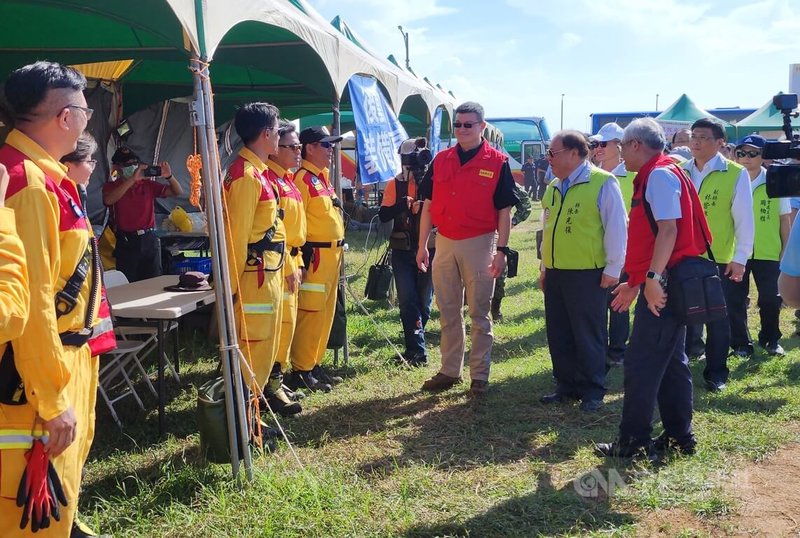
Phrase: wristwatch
{"type": "Point", "coordinates": [504, 250]}
{"type": "Point", "coordinates": [658, 277]}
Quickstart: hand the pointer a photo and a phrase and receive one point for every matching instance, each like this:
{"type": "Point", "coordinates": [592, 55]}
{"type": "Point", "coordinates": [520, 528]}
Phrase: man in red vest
{"type": "Point", "coordinates": [656, 367]}
{"type": "Point", "coordinates": [468, 193]}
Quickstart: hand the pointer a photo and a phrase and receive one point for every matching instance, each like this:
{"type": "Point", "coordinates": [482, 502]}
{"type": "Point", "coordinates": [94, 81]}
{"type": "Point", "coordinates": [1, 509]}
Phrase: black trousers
{"type": "Point", "coordinates": [619, 329]}
{"type": "Point", "coordinates": [718, 341]}
{"type": "Point", "coordinates": [138, 256]}
{"type": "Point", "coordinates": [577, 333]}
{"type": "Point", "coordinates": [765, 273]}
{"type": "Point", "coordinates": [656, 372]}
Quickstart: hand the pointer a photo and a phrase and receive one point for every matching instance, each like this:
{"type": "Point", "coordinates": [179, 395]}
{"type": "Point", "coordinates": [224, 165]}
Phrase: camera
{"type": "Point", "coordinates": [418, 159]}
{"type": "Point", "coordinates": [152, 171]}
{"type": "Point", "coordinates": [783, 180]}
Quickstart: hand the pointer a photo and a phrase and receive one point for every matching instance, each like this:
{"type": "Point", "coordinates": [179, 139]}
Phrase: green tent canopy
{"type": "Point", "coordinates": [685, 110]}
{"type": "Point", "coordinates": [766, 118]}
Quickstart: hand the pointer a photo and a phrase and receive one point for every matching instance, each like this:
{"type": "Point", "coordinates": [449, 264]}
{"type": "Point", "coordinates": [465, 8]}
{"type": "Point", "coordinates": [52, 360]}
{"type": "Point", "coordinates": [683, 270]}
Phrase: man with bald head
{"type": "Point", "coordinates": [51, 358]}
{"type": "Point", "coordinates": [585, 231]}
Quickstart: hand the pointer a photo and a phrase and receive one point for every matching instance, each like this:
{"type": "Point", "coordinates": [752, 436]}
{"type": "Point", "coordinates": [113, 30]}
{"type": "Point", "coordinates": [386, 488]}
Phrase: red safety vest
{"type": "Point", "coordinates": [641, 239]}
{"type": "Point", "coordinates": [463, 199]}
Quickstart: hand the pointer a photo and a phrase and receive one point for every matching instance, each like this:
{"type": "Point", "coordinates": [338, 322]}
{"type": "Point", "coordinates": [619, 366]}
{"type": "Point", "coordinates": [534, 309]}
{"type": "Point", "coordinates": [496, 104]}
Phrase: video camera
{"type": "Point", "coordinates": [418, 159]}
{"type": "Point", "coordinates": [783, 180]}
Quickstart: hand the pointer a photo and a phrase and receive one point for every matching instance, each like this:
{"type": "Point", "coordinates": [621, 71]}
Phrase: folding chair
{"type": "Point", "coordinates": [136, 333]}
{"type": "Point", "coordinates": [113, 375]}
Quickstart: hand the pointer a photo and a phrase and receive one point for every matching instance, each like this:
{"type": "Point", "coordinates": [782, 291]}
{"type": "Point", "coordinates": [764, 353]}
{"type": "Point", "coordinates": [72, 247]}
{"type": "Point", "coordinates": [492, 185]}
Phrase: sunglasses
{"type": "Point", "coordinates": [752, 154]}
{"type": "Point", "coordinates": [325, 145]}
{"type": "Point", "coordinates": [293, 147]}
{"type": "Point", "coordinates": [551, 153]}
{"type": "Point", "coordinates": [465, 125]}
{"type": "Point", "coordinates": [601, 144]}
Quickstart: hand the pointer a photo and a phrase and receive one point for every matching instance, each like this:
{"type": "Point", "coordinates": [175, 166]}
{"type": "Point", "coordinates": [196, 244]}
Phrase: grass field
{"type": "Point", "coordinates": [381, 459]}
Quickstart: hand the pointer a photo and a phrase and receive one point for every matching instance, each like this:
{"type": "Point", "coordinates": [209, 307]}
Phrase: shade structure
{"type": "Point", "coordinates": [766, 119]}
{"type": "Point", "coordinates": [685, 111]}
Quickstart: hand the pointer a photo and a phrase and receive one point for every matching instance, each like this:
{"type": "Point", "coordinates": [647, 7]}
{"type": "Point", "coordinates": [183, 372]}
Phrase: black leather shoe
{"type": "Point", "coordinates": [743, 352]}
{"type": "Point", "coordinates": [590, 406]}
{"type": "Point", "coordinates": [325, 377]}
{"type": "Point", "coordinates": [624, 451]}
{"type": "Point", "coordinates": [305, 380]}
{"type": "Point", "coordinates": [715, 386]}
{"type": "Point", "coordinates": [556, 397]}
{"type": "Point", "coordinates": [664, 442]}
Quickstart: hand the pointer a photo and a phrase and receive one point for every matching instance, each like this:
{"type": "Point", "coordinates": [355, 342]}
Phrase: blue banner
{"type": "Point", "coordinates": [436, 131]}
{"type": "Point", "coordinates": [378, 131]}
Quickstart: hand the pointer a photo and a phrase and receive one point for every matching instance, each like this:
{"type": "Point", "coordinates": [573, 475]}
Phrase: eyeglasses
{"type": "Point", "coordinates": [325, 145]}
{"type": "Point", "coordinates": [752, 154]}
{"type": "Point", "coordinates": [465, 125]}
{"type": "Point", "coordinates": [87, 111]}
{"type": "Point", "coordinates": [91, 162]}
{"type": "Point", "coordinates": [551, 154]}
{"type": "Point", "coordinates": [293, 147]}
{"type": "Point", "coordinates": [701, 138]}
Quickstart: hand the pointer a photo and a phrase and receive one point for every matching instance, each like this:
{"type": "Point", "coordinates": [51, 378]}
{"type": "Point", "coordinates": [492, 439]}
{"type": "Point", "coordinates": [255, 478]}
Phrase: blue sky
{"type": "Point", "coordinates": [517, 57]}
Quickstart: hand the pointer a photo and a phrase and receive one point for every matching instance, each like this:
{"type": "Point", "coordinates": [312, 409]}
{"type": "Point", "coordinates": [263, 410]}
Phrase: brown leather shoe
{"type": "Point", "coordinates": [440, 382]}
{"type": "Point", "coordinates": [478, 388]}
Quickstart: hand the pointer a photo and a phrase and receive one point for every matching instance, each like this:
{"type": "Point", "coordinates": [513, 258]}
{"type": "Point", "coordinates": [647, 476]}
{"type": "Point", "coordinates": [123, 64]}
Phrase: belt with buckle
{"type": "Point", "coordinates": [137, 232]}
{"type": "Point", "coordinates": [324, 244]}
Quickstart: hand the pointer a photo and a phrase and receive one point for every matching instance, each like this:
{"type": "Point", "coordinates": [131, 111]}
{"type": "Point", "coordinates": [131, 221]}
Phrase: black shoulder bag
{"type": "Point", "coordinates": [694, 287]}
{"type": "Point", "coordinates": [379, 279]}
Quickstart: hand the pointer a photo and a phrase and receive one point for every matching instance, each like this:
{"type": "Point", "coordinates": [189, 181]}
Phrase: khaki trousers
{"type": "Point", "coordinates": [461, 265]}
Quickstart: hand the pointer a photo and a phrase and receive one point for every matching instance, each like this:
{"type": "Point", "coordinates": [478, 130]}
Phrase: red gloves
{"type": "Point", "coordinates": [39, 489]}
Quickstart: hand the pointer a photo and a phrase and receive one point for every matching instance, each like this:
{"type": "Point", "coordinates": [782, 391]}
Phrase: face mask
{"type": "Point", "coordinates": [128, 171]}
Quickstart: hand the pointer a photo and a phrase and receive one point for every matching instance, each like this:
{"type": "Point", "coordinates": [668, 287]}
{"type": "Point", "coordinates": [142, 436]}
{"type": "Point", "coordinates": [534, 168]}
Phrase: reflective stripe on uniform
{"type": "Point", "coordinates": [20, 438]}
{"type": "Point", "coordinates": [311, 286]}
{"type": "Point", "coordinates": [258, 308]}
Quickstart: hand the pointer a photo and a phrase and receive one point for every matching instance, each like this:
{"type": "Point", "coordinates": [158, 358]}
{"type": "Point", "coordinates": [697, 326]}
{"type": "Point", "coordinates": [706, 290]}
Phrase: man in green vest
{"type": "Point", "coordinates": [583, 250]}
{"type": "Point", "coordinates": [724, 189]}
{"type": "Point", "coordinates": [608, 155]}
{"type": "Point", "coordinates": [772, 226]}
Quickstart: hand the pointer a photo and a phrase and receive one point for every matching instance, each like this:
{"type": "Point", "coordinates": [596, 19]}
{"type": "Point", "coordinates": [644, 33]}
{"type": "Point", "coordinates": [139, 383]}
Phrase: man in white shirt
{"type": "Point", "coordinates": [772, 218]}
{"type": "Point", "coordinates": [724, 189]}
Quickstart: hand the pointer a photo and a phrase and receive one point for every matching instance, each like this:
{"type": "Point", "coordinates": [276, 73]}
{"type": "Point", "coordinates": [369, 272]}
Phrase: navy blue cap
{"type": "Point", "coordinates": [757, 141]}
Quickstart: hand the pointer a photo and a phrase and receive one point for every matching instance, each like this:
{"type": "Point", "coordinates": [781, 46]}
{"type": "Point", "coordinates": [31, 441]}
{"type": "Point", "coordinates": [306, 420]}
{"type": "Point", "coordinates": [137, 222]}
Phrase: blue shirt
{"type": "Point", "coordinates": [790, 264]}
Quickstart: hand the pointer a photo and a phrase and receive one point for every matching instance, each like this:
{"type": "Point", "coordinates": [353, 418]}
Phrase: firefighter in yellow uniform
{"type": "Point", "coordinates": [14, 298]}
{"type": "Point", "coordinates": [280, 164]}
{"type": "Point", "coordinates": [322, 255]}
{"type": "Point", "coordinates": [51, 356]}
{"type": "Point", "coordinates": [256, 239]}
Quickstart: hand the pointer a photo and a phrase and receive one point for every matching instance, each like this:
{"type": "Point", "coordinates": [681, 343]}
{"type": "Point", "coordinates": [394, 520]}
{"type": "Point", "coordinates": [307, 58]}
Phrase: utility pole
{"type": "Point", "coordinates": [656, 102]}
{"type": "Point", "coordinates": [562, 111]}
{"type": "Point", "coordinates": [405, 39]}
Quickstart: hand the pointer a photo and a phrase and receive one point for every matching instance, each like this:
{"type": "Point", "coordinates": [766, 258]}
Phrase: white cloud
{"type": "Point", "coordinates": [570, 40]}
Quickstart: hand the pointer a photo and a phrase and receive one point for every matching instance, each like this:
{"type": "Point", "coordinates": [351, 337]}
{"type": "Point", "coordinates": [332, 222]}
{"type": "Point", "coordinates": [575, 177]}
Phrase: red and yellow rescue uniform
{"type": "Point", "coordinates": [256, 237]}
{"type": "Point", "coordinates": [325, 237]}
{"type": "Point", "coordinates": [55, 234]}
{"type": "Point", "coordinates": [14, 297]}
{"type": "Point", "coordinates": [294, 219]}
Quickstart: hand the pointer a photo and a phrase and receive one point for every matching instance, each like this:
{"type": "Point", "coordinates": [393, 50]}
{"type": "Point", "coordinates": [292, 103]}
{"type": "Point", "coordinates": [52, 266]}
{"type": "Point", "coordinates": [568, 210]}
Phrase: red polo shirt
{"type": "Point", "coordinates": [136, 209]}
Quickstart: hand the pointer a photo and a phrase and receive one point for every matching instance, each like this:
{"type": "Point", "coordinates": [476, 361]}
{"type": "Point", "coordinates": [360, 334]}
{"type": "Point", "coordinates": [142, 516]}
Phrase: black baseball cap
{"type": "Point", "coordinates": [311, 135]}
{"type": "Point", "coordinates": [124, 155]}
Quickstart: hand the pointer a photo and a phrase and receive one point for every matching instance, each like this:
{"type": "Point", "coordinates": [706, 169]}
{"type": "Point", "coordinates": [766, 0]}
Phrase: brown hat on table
{"type": "Point", "coordinates": [191, 281]}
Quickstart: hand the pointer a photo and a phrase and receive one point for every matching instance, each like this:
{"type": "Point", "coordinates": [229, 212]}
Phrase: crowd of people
{"type": "Point", "coordinates": [623, 210]}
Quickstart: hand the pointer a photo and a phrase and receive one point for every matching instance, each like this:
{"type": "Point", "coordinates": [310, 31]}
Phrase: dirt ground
{"type": "Point", "coordinates": [768, 494]}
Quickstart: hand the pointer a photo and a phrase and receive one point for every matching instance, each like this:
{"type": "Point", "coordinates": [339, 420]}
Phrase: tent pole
{"type": "Point", "coordinates": [202, 119]}
{"type": "Point", "coordinates": [337, 185]}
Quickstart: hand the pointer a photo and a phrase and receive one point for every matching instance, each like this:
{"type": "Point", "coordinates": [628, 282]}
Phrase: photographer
{"type": "Point", "coordinates": [131, 194]}
{"type": "Point", "coordinates": [402, 204]}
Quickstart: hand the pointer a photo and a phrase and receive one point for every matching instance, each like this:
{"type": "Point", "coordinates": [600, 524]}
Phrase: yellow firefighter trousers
{"type": "Point", "coordinates": [289, 321]}
{"type": "Point", "coordinates": [258, 319]}
{"type": "Point", "coordinates": [82, 394]}
{"type": "Point", "coordinates": [316, 306]}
